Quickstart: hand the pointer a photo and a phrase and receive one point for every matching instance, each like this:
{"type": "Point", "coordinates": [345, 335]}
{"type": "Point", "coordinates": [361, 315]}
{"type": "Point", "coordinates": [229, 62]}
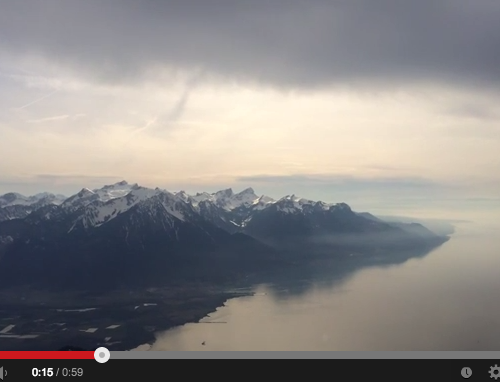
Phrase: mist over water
{"type": "Point", "coordinates": [445, 300]}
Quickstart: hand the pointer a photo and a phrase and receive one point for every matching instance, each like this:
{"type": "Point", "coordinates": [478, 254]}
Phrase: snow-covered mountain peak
{"type": "Point", "coordinates": [265, 199]}
{"type": "Point", "coordinates": [183, 196]}
{"type": "Point", "coordinates": [171, 204]}
{"type": "Point", "coordinates": [288, 204]}
{"type": "Point", "coordinates": [144, 192]}
{"type": "Point", "coordinates": [229, 201]}
{"type": "Point", "coordinates": [13, 198]}
{"type": "Point", "coordinates": [246, 197]}
{"type": "Point", "coordinates": [340, 207]}
{"type": "Point", "coordinates": [35, 201]}
{"type": "Point", "coordinates": [247, 191]}
{"type": "Point", "coordinates": [200, 197]}
{"type": "Point", "coordinates": [292, 198]}
{"type": "Point", "coordinates": [293, 204]}
{"type": "Point", "coordinates": [103, 210]}
{"type": "Point", "coordinates": [46, 198]}
{"type": "Point", "coordinates": [13, 195]}
{"type": "Point", "coordinates": [117, 190]}
{"type": "Point", "coordinates": [322, 206]}
{"type": "Point", "coordinates": [85, 192]}
{"type": "Point", "coordinates": [227, 193]}
{"type": "Point", "coordinates": [82, 198]}
{"type": "Point", "coordinates": [262, 202]}
{"type": "Point", "coordinates": [41, 195]}
{"type": "Point", "coordinates": [115, 185]}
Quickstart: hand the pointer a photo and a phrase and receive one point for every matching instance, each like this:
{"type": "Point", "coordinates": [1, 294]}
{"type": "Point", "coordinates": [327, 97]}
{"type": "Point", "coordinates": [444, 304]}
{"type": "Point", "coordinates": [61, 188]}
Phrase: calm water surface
{"type": "Point", "coordinates": [447, 300]}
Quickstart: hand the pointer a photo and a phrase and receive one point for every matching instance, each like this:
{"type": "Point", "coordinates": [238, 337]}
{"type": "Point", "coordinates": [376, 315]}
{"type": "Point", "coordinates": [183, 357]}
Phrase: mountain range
{"type": "Point", "coordinates": [126, 234]}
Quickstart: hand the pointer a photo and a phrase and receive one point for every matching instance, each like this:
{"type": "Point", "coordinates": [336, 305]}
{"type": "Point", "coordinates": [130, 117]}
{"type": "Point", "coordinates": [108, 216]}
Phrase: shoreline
{"type": "Point", "coordinates": [127, 318]}
{"type": "Point", "coordinates": [118, 324]}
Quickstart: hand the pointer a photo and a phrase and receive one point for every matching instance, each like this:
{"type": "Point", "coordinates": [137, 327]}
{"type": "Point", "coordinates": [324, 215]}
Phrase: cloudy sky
{"type": "Point", "coordinates": [376, 103]}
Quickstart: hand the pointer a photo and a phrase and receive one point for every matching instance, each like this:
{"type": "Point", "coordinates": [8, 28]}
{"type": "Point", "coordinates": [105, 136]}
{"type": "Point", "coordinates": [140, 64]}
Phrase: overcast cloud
{"type": "Point", "coordinates": [283, 43]}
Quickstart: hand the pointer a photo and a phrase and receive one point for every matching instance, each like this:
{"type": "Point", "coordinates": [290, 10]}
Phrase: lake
{"type": "Point", "coordinates": [446, 300]}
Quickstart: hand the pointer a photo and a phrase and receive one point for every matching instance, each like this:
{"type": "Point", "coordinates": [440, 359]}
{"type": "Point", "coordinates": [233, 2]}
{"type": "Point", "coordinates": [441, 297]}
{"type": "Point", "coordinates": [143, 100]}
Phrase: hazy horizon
{"type": "Point", "coordinates": [450, 209]}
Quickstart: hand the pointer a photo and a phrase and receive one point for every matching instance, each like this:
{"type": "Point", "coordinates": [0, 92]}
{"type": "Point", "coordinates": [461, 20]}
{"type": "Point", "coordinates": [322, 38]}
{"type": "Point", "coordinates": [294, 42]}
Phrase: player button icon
{"type": "Point", "coordinates": [102, 355]}
{"type": "Point", "coordinates": [466, 372]}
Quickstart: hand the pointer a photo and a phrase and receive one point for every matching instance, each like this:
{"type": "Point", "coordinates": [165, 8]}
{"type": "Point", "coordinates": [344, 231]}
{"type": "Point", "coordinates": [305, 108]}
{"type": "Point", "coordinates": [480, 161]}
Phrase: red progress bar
{"type": "Point", "coordinates": [47, 355]}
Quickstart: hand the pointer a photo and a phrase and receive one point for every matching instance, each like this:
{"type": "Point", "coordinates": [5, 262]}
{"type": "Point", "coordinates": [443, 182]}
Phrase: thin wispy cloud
{"type": "Point", "coordinates": [177, 111]}
{"type": "Point", "coordinates": [166, 120]}
{"type": "Point", "coordinates": [37, 100]}
{"type": "Point", "coordinates": [49, 119]}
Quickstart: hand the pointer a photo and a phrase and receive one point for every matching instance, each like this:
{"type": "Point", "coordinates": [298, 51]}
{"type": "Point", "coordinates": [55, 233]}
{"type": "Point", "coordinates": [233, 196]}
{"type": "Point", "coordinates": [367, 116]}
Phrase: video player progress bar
{"type": "Point", "coordinates": [103, 355]}
{"type": "Point", "coordinates": [305, 354]}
